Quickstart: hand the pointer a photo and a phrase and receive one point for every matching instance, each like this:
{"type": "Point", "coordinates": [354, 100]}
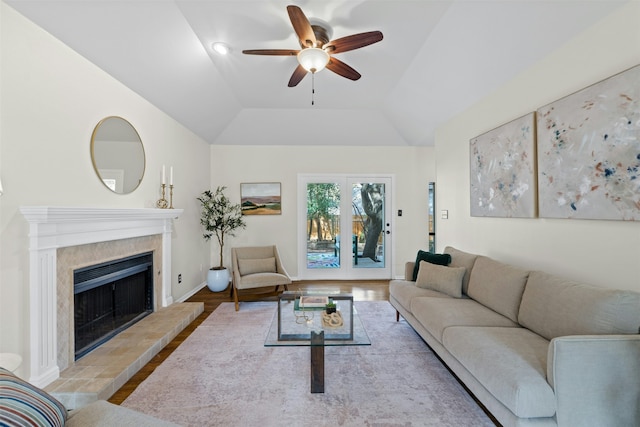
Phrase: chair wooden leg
{"type": "Point", "coordinates": [235, 299]}
{"type": "Point", "coordinates": [285, 287]}
{"type": "Point", "coordinates": [397, 316]}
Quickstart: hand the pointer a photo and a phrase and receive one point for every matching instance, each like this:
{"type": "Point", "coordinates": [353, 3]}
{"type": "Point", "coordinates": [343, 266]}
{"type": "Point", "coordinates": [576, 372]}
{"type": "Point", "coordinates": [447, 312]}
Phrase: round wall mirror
{"type": "Point", "coordinates": [117, 155]}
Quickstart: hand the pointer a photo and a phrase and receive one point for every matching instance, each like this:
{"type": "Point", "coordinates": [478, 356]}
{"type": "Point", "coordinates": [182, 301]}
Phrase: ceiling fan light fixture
{"type": "Point", "coordinates": [220, 48]}
{"type": "Point", "coordinates": [313, 59]}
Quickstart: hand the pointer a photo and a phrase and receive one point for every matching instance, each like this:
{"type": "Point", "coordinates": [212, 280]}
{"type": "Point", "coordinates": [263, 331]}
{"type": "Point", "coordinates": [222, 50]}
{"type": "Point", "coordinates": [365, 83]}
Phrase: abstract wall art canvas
{"type": "Point", "coordinates": [589, 152]}
{"type": "Point", "coordinates": [503, 170]}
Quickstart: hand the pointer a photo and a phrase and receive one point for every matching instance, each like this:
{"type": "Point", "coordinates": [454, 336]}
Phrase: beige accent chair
{"type": "Point", "coordinates": [257, 267]}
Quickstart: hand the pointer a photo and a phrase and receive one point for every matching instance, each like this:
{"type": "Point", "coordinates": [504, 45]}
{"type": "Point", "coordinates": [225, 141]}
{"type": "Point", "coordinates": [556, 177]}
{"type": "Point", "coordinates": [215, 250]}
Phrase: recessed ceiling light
{"type": "Point", "coordinates": [220, 48]}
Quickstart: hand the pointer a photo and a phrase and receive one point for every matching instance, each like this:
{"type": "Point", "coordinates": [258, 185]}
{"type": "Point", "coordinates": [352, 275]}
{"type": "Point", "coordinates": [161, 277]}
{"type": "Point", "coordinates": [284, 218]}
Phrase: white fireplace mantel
{"type": "Point", "coordinates": [51, 228]}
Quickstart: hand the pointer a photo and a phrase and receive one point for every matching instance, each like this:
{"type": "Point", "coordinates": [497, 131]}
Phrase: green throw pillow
{"type": "Point", "coordinates": [439, 259]}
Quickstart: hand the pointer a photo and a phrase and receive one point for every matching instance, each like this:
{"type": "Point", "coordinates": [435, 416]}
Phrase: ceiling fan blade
{"type": "Point", "coordinates": [301, 26]}
{"type": "Point", "coordinates": [343, 69]}
{"type": "Point", "coordinates": [275, 52]}
{"type": "Point", "coordinates": [354, 41]}
{"type": "Point", "coordinates": [297, 76]}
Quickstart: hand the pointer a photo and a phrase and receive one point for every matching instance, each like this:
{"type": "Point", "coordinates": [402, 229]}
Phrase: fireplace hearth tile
{"type": "Point", "coordinates": [99, 374]}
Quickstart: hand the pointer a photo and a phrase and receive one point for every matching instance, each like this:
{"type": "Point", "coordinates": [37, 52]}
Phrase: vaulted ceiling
{"type": "Point", "coordinates": [436, 59]}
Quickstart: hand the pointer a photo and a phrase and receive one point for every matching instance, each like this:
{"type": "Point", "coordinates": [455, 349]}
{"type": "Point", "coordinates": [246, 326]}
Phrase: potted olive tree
{"type": "Point", "coordinates": [220, 218]}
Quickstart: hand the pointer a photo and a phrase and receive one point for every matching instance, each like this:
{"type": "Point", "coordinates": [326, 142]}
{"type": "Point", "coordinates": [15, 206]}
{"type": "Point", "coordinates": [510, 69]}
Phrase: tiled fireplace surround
{"type": "Point", "coordinates": [74, 257]}
{"type": "Point", "coordinates": [62, 239]}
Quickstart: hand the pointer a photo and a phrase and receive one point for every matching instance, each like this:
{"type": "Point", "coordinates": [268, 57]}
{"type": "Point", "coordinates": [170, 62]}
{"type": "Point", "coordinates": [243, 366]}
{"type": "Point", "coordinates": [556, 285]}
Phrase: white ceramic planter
{"type": "Point", "coordinates": [218, 280]}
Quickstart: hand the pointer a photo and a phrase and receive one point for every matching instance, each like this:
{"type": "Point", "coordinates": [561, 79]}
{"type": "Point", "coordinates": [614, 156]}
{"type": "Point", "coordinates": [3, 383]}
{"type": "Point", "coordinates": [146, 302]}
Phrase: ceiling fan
{"type": "Point", "coordinates": [317, 49]}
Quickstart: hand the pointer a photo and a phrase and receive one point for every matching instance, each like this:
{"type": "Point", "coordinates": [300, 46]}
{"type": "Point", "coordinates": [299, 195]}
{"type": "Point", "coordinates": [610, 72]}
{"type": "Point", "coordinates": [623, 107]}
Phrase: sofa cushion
{"type": "Point", "coordinates": [462, 259]}
{"type": "Point", "coordinates": [23, 404]}
{"type": "Point", "coordinates": [440, 259]}
{"type": "Point", "coordinates": [257, 265]}
{"type": "Point", "coordinates": [497, 285]}
{"type": "Point", "coordinates": [259, 280]}
{"type": "Point", "coordinates": [553, 307]}
{"type": "Point", "coordinates": [438, 314]}
{"type": "Point", "coordinates": [447, 280]}
{"type": "Point", "coordinates": [510, 363]}
{"type": "Point", "coordinates": [404, 291]}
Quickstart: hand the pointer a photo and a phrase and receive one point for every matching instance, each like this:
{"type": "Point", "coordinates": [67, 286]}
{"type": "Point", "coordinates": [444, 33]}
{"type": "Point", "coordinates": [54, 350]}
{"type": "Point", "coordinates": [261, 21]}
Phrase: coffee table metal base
{"type": "Point", "coordinates": [317, 362]}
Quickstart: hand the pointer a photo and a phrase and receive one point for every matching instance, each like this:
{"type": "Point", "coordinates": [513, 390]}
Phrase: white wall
{"type": "Point", "coordinates": [605, 253]}
{"type": "Point", "coordinates": [51, 100]}
{"type": "Point", "coordinates": [413, 168]}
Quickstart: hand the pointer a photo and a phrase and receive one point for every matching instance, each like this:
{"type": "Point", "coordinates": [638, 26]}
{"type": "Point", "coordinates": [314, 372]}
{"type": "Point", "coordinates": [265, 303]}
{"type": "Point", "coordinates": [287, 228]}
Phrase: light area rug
{"type": "Point", "coordinates": [222, 375]}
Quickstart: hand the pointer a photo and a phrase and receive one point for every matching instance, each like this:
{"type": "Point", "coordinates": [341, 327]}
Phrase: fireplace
{"type": "Point", "coordinates": [77, 237]}
{"type": "Point", "coordinates": [108, 298]}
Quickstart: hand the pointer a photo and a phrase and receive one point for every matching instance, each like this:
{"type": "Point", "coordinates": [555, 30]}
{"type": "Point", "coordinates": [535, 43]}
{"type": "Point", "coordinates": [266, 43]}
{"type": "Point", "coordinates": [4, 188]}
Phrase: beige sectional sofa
{"type": "Point", "coordinates": [535, 349]}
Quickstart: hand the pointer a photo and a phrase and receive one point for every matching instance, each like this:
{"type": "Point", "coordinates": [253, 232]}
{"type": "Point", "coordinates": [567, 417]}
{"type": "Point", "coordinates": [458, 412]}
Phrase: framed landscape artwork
{"type": "Point", "coordinates": [503, 171]}
{"type": "Point", "coordinates": [260, 198]}
{"type": "Point", "coordinates": [589, 152]}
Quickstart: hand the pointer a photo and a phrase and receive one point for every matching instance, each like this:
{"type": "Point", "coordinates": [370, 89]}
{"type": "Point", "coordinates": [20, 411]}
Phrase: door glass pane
{"type": "Point", "coordinates": [432, 217]}
{"type": "Point", "coordinates": [368, 225]}
{"type": "Point", "coordinates": [323, 225]}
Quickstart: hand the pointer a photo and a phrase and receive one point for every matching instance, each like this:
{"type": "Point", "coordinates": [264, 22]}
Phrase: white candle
{"type": "Point", "coordinates": [171, 175]}
{"type": "Point", "coordinates": [163, 177]}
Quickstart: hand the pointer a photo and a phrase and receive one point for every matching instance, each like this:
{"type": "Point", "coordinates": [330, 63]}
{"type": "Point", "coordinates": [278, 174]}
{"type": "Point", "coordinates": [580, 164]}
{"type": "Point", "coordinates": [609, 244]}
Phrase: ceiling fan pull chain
{"type": "Point", "coordinates": [313, 88]}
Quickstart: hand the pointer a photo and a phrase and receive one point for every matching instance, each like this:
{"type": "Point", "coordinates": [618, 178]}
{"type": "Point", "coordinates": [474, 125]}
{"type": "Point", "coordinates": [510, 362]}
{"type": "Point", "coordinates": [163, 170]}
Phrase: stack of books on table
{"type": "Point", "coordinates": [311, 302]}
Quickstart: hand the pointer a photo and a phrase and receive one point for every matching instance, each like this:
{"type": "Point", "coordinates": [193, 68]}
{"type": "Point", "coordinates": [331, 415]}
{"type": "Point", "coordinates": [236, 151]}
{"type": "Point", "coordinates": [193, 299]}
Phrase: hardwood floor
{"type": "Point", "coordinates": [362, 290]}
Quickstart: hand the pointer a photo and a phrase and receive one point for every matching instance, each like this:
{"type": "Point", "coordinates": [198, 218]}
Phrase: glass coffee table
{"type": "Point", "coordinates": [297, 322]}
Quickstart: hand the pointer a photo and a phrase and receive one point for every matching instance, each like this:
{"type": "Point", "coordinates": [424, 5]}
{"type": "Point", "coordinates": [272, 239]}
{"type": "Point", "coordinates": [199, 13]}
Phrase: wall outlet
{"type": "Point", "coordinates": [444, 214]}
{"type": "Point", "coordinates": [179, 278]}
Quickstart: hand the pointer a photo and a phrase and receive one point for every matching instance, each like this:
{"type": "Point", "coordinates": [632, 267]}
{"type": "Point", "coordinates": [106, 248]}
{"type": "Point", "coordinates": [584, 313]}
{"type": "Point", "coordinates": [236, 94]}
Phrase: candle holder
{"type": "Point", "coordinates": [162, 202]}
{"type": "Point", "coordinates": [170, 196]}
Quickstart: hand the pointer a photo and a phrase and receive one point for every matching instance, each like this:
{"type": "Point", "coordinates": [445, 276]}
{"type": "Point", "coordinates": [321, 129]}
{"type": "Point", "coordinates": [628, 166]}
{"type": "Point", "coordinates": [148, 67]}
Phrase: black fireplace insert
{"type": "Point", "coordinates": [109, 297]}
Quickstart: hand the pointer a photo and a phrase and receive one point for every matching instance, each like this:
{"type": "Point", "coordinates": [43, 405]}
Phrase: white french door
{"type": "Point", "coordinates": [344, 226]}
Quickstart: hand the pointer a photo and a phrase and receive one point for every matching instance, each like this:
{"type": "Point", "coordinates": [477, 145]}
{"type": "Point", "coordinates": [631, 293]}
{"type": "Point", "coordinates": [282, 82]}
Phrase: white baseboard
{"type": "Point", "coordinates": [188, 295]}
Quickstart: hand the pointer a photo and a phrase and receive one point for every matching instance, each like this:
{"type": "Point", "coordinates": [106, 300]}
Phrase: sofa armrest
{"type": "Point", "coordinates": [104, 414]}
{"type": "Point", "coordinates": [595, 379]}
{"type": "Point", "coordinates": [279, 266]}
{"type": "Point", "coordinates": [408, 270]}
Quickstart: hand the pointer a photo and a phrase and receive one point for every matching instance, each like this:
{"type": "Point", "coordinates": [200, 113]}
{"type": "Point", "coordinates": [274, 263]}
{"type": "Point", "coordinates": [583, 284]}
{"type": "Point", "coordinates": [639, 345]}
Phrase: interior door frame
{"type": "Point", "coordinates": [346, 270]}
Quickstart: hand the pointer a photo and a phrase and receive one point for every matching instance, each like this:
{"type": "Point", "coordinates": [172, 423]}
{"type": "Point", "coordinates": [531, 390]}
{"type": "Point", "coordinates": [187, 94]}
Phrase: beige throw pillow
{"type": "Point", "coordinates": [257, 265]}
{"type": "Point", "coordinates": [447, 280]}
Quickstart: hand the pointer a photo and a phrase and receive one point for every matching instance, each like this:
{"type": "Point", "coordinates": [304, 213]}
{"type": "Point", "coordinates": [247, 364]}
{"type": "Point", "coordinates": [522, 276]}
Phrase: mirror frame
{"type": "Point", "coordinates": [93, 154]}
